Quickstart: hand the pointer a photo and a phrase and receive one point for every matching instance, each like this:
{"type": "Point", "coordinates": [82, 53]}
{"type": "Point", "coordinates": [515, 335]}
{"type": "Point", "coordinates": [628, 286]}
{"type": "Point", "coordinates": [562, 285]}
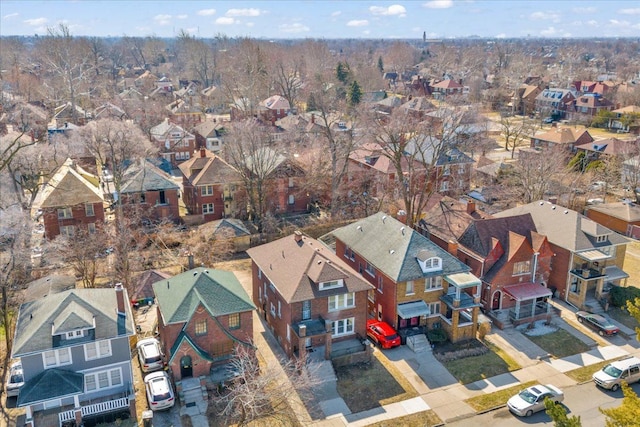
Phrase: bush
{"type": "Point", "coordinates": [436, 336]}
{"type": "Point", "coordinates": [619, 296]}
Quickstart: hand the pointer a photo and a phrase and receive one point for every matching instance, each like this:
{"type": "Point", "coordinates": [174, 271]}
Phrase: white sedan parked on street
{"type": "Point", "coordinates": [531, 399]}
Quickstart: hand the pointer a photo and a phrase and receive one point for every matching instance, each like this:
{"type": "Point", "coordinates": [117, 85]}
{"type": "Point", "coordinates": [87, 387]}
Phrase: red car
{"type": "Point", "coordinates": [382, 334]}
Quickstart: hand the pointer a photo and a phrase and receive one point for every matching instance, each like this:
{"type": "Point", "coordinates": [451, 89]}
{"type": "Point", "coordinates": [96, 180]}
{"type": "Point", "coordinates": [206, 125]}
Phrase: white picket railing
{"type": "Point", "coordinates": [96, 408]}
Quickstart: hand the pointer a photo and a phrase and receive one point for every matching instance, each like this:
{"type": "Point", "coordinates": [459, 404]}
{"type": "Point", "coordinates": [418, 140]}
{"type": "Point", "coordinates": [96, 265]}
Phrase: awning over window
{"type": "Point", "coordinates": [527, 291]}
{"type": "Point", "coordinates": [462, 280]}
{"type": "Point", "coordinates": [593, 255]}
{"type": "Point", "coordinates": [614, 272]}
{"type": "Point", "coordinates": [413, 309]}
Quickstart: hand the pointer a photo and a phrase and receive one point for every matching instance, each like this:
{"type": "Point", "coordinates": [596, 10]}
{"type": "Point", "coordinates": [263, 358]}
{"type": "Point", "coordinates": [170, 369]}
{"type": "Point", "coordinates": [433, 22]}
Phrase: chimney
{"type": "Point", "coordinates": [120, 299]}
{"type": "Point", "coordinates": [297, 235]}
{"type": "Point", "coordinates": [471, 207]}
{"type": "Point", "coordinates": [313, 118]}
{"type": "Point", "coordinates": [452, 248]}
{"type": "Point", "coordinates": [302, 331]}
{"type": "Point", "coordinates": [203, 152]}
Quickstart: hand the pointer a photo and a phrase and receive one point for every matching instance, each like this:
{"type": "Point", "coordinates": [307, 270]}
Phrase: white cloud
{"type": "Point", "coordinates": [619, 24]}
{"type": "Point", "coordinates": [296, 27]}
{"type": "Point", "coordinates": [11, 15]}
{"type": "Point", "coordinates": [392, 10]}
{"type": "Point", "coordinates": [243, 12]}
{"type": "Point", "coordinates": [206, 12]}
{"type": "Point", "coordinates": [584, 10]}
{"type": "Point", "coordinates": [501, 36]}
{"type": "Point", "coordinates": [336, 13]}
{"type": "Point", "coordinates": [545, 16]}
{"type": "Point", "coordinates": [36, 22]}
{"type": "Point", "coordinates": [438, 4]}
{"type": "Point", "coordinates": [554, 32]}
{"type": "Point", "coordinates": [182, 16]}
{"type": "Point", "coordinates": [162, 19]}
{"type": "Point", "coordinates": [358, 23]}
{"type": "Point", "coordinates": [634, 11]}
{"type": "Point", "coordinates": [225, 20]}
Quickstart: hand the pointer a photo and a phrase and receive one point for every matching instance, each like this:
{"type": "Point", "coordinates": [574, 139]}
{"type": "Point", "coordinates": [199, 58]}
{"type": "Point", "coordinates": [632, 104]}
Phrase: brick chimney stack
{"type": "Point", "coordinates": [203, 152]}
{"type": "Point", "coordinates": [471, 207]}
{"type": "Point", "coordinates": [120, 299]}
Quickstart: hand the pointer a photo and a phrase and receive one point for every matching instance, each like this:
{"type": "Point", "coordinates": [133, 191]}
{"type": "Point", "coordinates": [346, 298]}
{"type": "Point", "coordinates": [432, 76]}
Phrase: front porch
{"type": "Point", "coordinates": [104, 410]}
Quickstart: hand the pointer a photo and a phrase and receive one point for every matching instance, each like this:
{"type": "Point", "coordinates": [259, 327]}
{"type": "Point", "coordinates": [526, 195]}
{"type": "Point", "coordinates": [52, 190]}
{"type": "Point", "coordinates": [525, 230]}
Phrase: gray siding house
{"type": "Point", "coordinates": [76, 358]}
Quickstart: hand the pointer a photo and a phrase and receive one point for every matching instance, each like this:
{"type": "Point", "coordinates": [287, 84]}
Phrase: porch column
{"type": "Point", "coordinates": [533, 308]}
{"type": "Point", "coordinates": [77, 410]}
{"type": "Point", "coordinates": [132, 406]}
{"type": "Point", "coordinates": [517, 309]}
{"type": "Point", "coordinates": [29, 418]}
{"type": "Point", "coordinates": [302, 348]}
{"type": "Point", "coordinates": [327, 340]}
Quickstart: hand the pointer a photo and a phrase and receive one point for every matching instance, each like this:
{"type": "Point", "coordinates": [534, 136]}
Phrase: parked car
{"type": "Point", "coordinates": [159, 391]}
{"type": "Point", "coordinates": [614, 373]}
{"type": "Point", "coordinates": [548, 120]}
{"type": "Point", "coordinates": [531, 399]}
{"type": "Point", "coordinates": [150, 355]}
{"type": "Point", "coordinates": [382, 334]}
{"type": "Point", "coordinates": [15, 380]}
{"type": "Point", "coordinates": [597, 322]}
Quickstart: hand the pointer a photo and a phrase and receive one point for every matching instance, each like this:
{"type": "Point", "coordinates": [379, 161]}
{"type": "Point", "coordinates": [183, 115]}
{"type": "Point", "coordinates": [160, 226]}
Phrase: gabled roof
{"type": "Point", "coordinates": [67, 188]}
{"type": "Point", "coordinates": [448, 218]}
{"type": "Point", "coordinates": [208, 170]}
{"type": "Point", "coordinates": [236, 227]}
{"type": "Point", "coordinates": [565, 135]}
{"type": "Point", "coordinates": [628, 212]}
{"type": "Point", "coordinates": [144, 284]}
{"type": "Point", "coordinates": [612, 146]}
{"type": "Point", "coordinates": [35, 318]}
{"type": "Point", "coordinates": [139, 178]}
{"type": "Point", "coordinates": [218, 291]}
{"type": "Point", "coordinates": [295, 267]}
{"type": "Point", "coordinates": [393, 248]}
{"type": "Point", "coordinates": [447, 84]}
{"type": "Point", "coordinates": [161, 130]}
{"type": "Point", "coordinates": [208, 129]}
{"type": "Point", "coordinates": [276, 102]}
{"type": "Point", "coordinates": [418, 103]}
{"type": "Point", "coordinates": [629, 109]}
{"type": "Point", "coordinates": [479, 236]}
{"type": "Point", "coordinates": [564, 227]}
{"type": "Point", "coordinates": [51, 384]}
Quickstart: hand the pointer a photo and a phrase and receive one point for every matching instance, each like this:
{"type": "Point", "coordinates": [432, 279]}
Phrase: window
{"type": "Point", "coordinates": [273, 310]}
{"type": "Point", "coordinates": [279, 309]}
{"type": "Point", "coordinates": [65, 213]}
{"type": "Point", "coordinates": [234, 321]}
{"type": "Point", "coordinates": [97, 350]}
{"type": "Point", "coordinates": [342, 327]}
{"type": "Point", "coordinates": [103, 379]}
{"type": "Point", "coordinates": [461, 183]}
{"type": "Point", "coordinates": [207, 208]}
{"type": "Point", "coordinates": [410, 289]}
{"type": "Point", "coordinates": [306, 310]}
{"type": "Point", "coordinates": [331, 285]}
{"type": "Point", "coordinates": [380, 284]}
{"type": "Point", "coordinates": [292, 199]}
{"type": "Point", "coordinates": [447, 170]}
{"type": "Point", "coordinates": [444, 186]}
{"type": "Point", "coordinates": [162, 198]}
{"type": "Point", "coordinates": [462, 168]}
{"type": "Point", "coordinates": [88, 210]}
{"type": "Point", "coordinates": [75, 334]}
{"type": "Point", "coordinates": [369, 269]}
{"type": "Point", "coordinates": [290, 182]}
{"type": "Point", "coordinates": [91, 227]}
{"type": "Point", "coordinates": [431, 283]}
{"type": "Point", "coordinates": [67, 230]}
{"type": "Point", "coordinates": [521, 267]}
{"type": "Point", "coordinates": [339, 302]}
{"type": "Point", "coordinates": [59, 357]}
{"type": "Point", "coordinates": [601, 239]}
{"type": "Point", "coordinates": [288, 333]}
{"type": "Point", "coordinates": [201, 327]}
{"type": "Point", "coordinates": [348, 253]}
{"type": "Point", "coordinates": [434, 308]}
{"type": "Point", "coordinates": [206, 190]}
{"type": "Point", "coordinates": [431, 264]}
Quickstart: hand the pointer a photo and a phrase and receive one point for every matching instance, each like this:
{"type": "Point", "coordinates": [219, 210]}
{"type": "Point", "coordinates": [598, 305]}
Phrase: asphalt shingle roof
{"type": "Point", "coordinates": [67, 188]}
{"type": "Point", "coordinates": [393, 247]}
{"type": "Point", "coordinates": [218, 291]}
{"type": "Point", "coordinates": [51, 384]}
{"type": "Point", "coordinates": [147, 177]}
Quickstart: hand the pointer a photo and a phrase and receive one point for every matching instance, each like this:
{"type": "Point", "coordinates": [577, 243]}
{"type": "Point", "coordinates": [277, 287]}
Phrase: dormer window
{"type": "Point", "coordinates": [430, 264]}
{"type": "Point", "coordinates": [74, 334]}
{"type": "Point", "coordinates": [601, 239]}
{"type": "Point", "coordinates": [333, 284]}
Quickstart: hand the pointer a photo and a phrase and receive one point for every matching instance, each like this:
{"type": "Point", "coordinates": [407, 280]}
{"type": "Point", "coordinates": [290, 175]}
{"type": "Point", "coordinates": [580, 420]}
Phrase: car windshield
{"type": "Point", "coordinates": [391, 337]}
{"type": "Point", "coordinates": [612, 371]}
{"type": "Point", "coordinates": [16, 378]}
{"type": "Point", "coordinates": [527, 396]}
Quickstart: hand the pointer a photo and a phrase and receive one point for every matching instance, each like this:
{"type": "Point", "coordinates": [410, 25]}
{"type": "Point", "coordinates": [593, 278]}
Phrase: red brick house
{"type": "Point", "coordinates": [622, 217]}
{"type": "Point", "coordinates": [418, 285]}
{"type": "Point", "coordinates": [569, 137]}
{"type": "Point", "coordinates": [152, 191]}
{"type": "Point", "coordinates": [587, 106]}
{"type": "Point", "coordinates": [175, 143]}
{"type": "Point", "coordinates": [69, 201]}
{"type": "Point", "coordinates": [203, 314]}
{"type": "Point", "coordinates": [446, 88]}
{"type": "Point", "coordinates": [308, 296]}
{"type": "Point", "coordinates": [274, 108]}
{"type": "Point", "coordinates": [210, 186]}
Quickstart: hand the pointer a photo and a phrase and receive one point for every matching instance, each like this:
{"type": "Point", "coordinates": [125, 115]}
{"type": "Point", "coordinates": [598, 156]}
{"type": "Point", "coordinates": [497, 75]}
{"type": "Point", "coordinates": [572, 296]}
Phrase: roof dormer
{"type": "Point", "coordinates": [429, 263]}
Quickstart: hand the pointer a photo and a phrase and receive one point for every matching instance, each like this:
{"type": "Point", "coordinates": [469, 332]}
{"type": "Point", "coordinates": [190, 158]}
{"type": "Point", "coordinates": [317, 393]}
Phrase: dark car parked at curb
{"type": "Point", "coordinates": [597, 322]}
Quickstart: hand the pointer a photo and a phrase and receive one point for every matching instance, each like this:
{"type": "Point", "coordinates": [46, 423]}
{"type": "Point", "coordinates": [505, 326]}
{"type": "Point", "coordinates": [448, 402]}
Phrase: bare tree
{"type": "Point", "coordinates": [10, 146]}
{"type": "Point", "coordinates": [515, 131]}
{"type": "Point", "coordinates": [260, 392]}
{"type": "Point", "coordinates": [537, 172]}
{"type": "Point", "coordinates": [83, 251]}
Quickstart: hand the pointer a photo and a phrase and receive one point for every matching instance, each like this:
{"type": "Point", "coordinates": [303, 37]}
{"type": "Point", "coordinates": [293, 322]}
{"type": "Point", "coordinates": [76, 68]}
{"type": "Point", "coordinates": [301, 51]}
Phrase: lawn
{"type": "Point", "coordinates": [365, 387]}
{"type": "Point", "coordinates": [474, 368]}
{"type": "Point", "coordinates": [622, 316]}
{"type": "Point", "coordinates": [584, 374]}
{"type": "Point", "coordinates": [559, 343]}
{"type": "Point", "coordinates": [419, 419]}
{"type": "Point", "coordinates": [484, 402]}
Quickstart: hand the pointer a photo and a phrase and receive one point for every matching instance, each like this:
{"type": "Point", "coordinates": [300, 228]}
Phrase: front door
{"type": "Point", "coordinates": [186, 367]}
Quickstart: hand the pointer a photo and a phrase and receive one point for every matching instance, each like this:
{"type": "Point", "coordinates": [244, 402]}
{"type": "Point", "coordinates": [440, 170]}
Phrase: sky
{"type": "Point", "coordinates": [325, 19]}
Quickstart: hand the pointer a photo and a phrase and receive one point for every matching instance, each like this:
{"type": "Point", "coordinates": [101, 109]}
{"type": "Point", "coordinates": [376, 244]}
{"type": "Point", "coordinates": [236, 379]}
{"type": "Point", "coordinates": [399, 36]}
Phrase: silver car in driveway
{"type": "Point", "coordinates": [159, 391]}
{"type": "Point", "coordinates": [15, 380]}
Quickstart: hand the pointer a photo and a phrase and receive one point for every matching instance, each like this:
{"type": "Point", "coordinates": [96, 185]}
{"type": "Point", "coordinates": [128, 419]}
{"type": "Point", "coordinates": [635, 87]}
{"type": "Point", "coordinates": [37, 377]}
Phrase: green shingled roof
{"type": "Point", "coordinates": [51, 384]}
{"type": "Point", "coordinates": [218, 291]}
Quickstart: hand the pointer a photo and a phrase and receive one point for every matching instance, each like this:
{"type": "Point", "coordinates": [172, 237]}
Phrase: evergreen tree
{"type": "Point", "coordinates": [355, 93]}
{"type": "Point", "coordinates": [380, 64]}
{"type": "Point", "coordinates": [342, 72]}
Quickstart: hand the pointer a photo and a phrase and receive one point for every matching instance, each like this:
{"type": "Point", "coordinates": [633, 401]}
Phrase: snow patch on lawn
{"type": "Point", "coordinates": [540, 327]}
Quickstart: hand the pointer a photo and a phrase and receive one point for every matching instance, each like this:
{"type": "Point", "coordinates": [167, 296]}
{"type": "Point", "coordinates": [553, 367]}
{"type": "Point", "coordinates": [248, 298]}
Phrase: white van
{"type": "Point", "coordinates": [614, 373]}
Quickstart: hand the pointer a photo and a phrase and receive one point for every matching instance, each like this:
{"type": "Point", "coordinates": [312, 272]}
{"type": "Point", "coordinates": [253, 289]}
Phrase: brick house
{"type": "Point", "coordinates": [523, 101]}
{"type": "Point", "coordinates": [203, 314]}
{"type": "Point", "coordinates": [621, 217]}
{"type": "Point", "coordinates": [209, 135]}
{"type": "Point", "coordinates": [554, 102]}
{"type": "Point", "coordinates": [151, 191]}
{"type": "Point", "coordinates": [308, 296]}
{"type": "Point", "coordinates": [417, 283]}
{"type": "Point", "coordinates": [446, 88]}
{"type": "Point", "coordinates": [274, 108]}
{"type": "Point", "coordinates": [76, 358]}
{"type": "Point", "coordinates": [210, 186]}
{"type": "Point", "coordinates": [175, 143]}
{"type": "Point", "coordinates": [514, 263]}
{"type": "Point", "coordinates": [69, 201]}
{"type": "Point", "coordinates": [587, 257]}
{"type": "Point", "coordinates": [587, 106]}
{"type": "Point", "coordinates": [569, 137]}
